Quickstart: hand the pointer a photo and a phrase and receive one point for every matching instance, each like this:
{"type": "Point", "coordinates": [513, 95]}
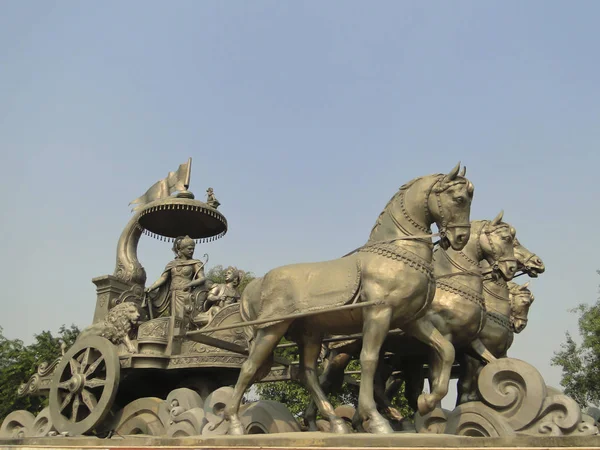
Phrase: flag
{"type": "Point", "coordinates": [175, 181]}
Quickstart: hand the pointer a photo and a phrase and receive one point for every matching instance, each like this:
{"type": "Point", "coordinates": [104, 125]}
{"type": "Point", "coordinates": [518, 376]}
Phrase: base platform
{"type": "Point", "coordinates": [304, 440]}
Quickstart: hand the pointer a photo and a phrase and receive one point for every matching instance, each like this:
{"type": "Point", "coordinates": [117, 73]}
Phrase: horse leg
{"type": "Point", "coordinates": [333, 374]}
{"type": "Point", "coordinates": [263, 344]}
{"type": "Point", "coordinates": [467, 382]}
{"type": "Point", "coordinates": [382, 374]}
{"type": "Point", "coordinates": [442, 358]}
{"type": "Point", "coordinates": [481, 351]}
{"type": "Point", "coordinates": [311, 347]}
{"type": "Point", "coordinates": [375, 328]}
{"type": "Point", "coordinates": [413, 374]}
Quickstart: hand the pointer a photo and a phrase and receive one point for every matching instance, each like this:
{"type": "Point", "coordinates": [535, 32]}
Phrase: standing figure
{"type": "Point", "coordinates": [177, 281]}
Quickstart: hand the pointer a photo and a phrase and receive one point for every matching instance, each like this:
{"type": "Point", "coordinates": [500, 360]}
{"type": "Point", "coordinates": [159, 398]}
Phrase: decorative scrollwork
{"type": "Point", "coordinates": [477, 419]}
{"type": "Point", "coordinates": [45, 369]}
{"type": "Point", "coordinates": [560, 415]}
{"type": "Point", "coordinates": [17, 424]}
{"type": "Point", "coordinates": [514, 389]}
{"type": "Point", "coordinates": [432, 423]}
{"type": "Point", "coordinates": [517, 401]}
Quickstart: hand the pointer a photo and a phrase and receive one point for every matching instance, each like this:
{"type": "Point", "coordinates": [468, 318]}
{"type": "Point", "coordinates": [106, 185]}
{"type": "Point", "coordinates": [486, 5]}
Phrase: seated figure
{"type": "Point", "coordinates": [220, 295]}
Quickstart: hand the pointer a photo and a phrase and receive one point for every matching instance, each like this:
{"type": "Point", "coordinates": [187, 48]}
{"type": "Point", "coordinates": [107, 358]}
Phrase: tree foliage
{"type": "Point", "coordinates": [581, 362]}
{"type": "Point", "coordinates": [19, 361]}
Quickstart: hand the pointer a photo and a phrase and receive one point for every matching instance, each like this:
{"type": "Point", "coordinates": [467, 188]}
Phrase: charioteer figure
{"type": "Point", "coordinates": [180, 277]}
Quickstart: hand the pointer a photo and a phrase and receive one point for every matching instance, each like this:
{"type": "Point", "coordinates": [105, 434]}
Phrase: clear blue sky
{"type": "Point", "coordinates": [305, 117]}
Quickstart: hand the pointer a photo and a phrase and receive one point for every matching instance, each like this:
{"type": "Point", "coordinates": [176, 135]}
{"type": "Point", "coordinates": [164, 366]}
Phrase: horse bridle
{"type": "Point", "coordinates": [512, 307]}
{"type": "Point", "coordinates": [485, 229]}
{"type": "Point", "coordinates": [443, 229]}
{"type": "Point", "coordinates": [429, 216]}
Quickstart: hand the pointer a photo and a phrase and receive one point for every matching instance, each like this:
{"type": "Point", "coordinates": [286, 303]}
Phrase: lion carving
{"type": "Point", "coordinates": [116, 325]}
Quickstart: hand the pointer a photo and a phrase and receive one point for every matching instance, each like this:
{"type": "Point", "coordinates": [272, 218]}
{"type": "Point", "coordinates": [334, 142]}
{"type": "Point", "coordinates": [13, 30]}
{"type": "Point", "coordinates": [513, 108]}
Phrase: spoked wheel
{"type": "Point", "coordinates": [84, 385]}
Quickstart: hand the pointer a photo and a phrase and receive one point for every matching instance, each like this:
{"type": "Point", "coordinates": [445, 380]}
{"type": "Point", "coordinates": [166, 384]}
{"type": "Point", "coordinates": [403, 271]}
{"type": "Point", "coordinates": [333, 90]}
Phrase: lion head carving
{"type": "Point", "coordinates": [116, 325]}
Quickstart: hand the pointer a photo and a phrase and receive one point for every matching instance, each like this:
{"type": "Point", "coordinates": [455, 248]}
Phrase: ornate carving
{"type": "Point", "coordinates": [17, 424]}
{"type": "Point", "coordinates": [432, 423]}
{"type": "Point", "coordinates": [39, 383]}
{"type": "Point", "coordinates": [156, 330]}
{"type": "Point", "coordinates": [514, 389]}
{"type": "Point", "coordinates": [148, 415]}
{"type": "Point", "coordinates": [209, 360]}
{"type": "Point", "coordinates": [102, 299]}
{"type": "Point", "coordinates": [515, 400]}
{"type": "Point", "coordinates": [134, 294]}
{"type": "Point", "coordinates": [477, 419]}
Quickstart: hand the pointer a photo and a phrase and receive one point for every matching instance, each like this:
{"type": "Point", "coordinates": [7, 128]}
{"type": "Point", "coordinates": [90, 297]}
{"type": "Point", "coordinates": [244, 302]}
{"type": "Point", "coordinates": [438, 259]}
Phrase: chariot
{"type": "Point", "coordinates": [121, 368]}
{"type": "Point", "coordinates": [163, 362]}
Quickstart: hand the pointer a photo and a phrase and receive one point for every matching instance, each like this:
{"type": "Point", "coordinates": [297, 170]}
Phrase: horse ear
{"type": "Point", "coordinates": [498, 218]}
{"type": "Point", "coordinates": [513, 232]}
{"type": "Point", "coordinates": [525, 286]}
{"type": "Point", "coordinates": [452, 175]}
{"type": "Point", "coordinates": [463, 172]}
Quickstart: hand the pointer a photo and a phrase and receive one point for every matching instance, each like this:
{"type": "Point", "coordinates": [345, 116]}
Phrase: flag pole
{"type": "Point", "coordinates": [189, 172]}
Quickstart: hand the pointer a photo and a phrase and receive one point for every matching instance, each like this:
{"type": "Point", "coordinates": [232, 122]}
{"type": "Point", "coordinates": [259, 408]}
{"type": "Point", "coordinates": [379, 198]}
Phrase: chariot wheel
{"type": "Point", "coordinates": [84, 385]}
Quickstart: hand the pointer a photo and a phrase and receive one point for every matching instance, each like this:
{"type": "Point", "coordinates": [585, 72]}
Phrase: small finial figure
{"type": "Point", "coordinates": [211, 200]}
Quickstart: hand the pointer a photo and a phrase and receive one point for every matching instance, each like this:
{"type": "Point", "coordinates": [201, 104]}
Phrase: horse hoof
{"type": "Point", "coordinates": [338, 426]}
{"type": "Point", "coordinates": [426, 403]}
{"type": "Point", "coordinates": [379, 426]}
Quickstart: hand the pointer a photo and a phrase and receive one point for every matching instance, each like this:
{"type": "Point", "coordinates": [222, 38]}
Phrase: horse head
{"type": "Point", "coordinates": [521, 299]}
{"type": "Point", "coordinates": [496, 241]}
{"type": "Point", "coordinates": [530, 263]}
{"type": "Point", "coordinates": [449, 203]}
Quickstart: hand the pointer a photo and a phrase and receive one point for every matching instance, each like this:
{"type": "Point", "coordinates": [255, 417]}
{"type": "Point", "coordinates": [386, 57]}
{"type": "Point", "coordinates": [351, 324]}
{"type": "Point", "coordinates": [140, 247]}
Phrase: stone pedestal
{"type": "Point", "coordinates": [108, 290]}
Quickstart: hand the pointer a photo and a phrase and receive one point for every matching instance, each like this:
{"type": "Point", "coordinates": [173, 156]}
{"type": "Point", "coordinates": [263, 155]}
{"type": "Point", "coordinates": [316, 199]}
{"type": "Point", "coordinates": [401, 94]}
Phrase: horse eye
{"type": "Point", "coordinates": [460, 200]}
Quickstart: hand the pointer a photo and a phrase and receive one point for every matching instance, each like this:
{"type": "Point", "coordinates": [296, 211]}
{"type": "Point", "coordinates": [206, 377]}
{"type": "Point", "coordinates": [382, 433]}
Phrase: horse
{"type": "Point", "coordinates": [457, 312]}
{"type": "Point", "coordinates": [388, 282]}
{"type": "Point", "coordinates": [530, 264]}
{"type": "Point", "coordinates": [506, 315]}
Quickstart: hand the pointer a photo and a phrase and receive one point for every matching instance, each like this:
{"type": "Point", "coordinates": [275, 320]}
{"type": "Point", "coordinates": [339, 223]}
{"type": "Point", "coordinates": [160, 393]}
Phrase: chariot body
{"type": "Point", "coordinates": [144, 348]}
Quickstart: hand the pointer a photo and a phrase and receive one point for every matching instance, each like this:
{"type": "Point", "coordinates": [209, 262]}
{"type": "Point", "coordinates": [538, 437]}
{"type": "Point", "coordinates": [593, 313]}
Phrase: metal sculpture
{"type": "Point", "coordinates": [457, 312]}
{"type": "Point", "coordinates": [391, 276]}
{"type": "Point", "coordinates": [161, 360]}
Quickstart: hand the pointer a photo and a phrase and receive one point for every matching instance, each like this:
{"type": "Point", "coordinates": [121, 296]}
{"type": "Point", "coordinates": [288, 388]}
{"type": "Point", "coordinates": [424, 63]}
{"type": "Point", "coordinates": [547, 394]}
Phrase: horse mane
{"type": "Point", "coordinates": [404, 187]}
